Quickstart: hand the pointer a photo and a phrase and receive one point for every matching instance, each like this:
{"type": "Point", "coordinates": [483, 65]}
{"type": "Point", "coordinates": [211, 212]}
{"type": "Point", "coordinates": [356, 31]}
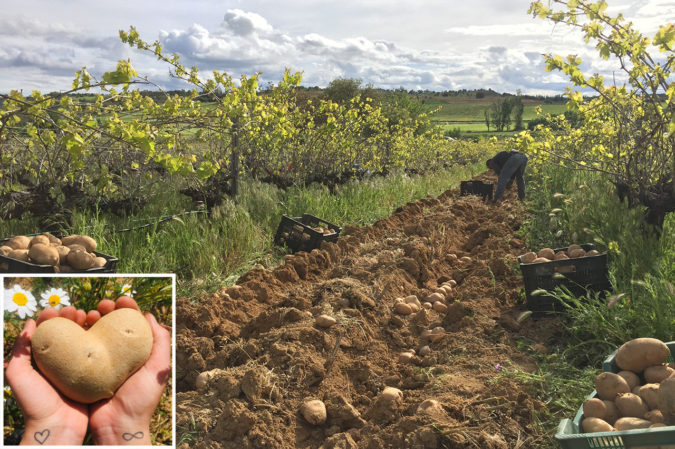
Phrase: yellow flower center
{"type": "Point", "coordinates": [54, 300]}
{"type": "Point", "coordinates": [20, 299]}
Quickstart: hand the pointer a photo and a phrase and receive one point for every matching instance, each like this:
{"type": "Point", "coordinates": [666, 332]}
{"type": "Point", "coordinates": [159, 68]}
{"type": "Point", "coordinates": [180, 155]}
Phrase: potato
{"type": "Point", "coordinates": [609, 385]}
{"type": "Point", "coordinates": [560, 256]}
{"type": "Point", "coordinates": [53, 240]}
{"type": "Point", "coordinates": [628, 423]}
{"type": "Point", "coordinates": [412, 299]}
{"type": "Point", "coordinates": [43, 239]}
{"type": "Point", "coordinates": [439, 307]}
{"type": "Point", "coordinates": [425, 351]}
{"type": "Point", "coordinates": [541, 260]}
{"type": "Point", "coordinates": [429, 407]}
{"type": "Point", "coordinates": [391, 394]}
{"type": "Point", "coordinates": [77, 247]}
{"type": "Point", "coordinates": [654, 416]}
{"type": "Point", "coordinates": [640, 353]}
{"type": "Point", "coordinates": [90, 365]}
{"type": "Point", "coordinates": [576, 253]}
{"type": "Point", "coordinates": [325, 321]}
{"type": "Point", "coordinates": [631, 378]}
{"type": "Point", "coordinates": [666, 401]}
{"type": "Point", "coordinates": [405, 357]}
{"type": "Point", "coordinates": [19, 242]}
{"type": "Point", "coordinates": [314, 411]}
{"type": "Point", "coordinates": [63, 254]}
{"type": "Point", "coordinates": [84, 240]}
{"type": "Point", "coordinates": [630, 404]}
{"type": "Point", "coordinates": [657, 373]}
{"type": "Point", "coordinates": [432, 298]}
{"type": "Point", "coordinates": [19, 254]}
{"type": "Point", "coordinates": [99, 262]}
{"type": "Point", "coordinates": [5, 250]}
{"type": "Point", "coordinates": [528, 257]}
{"type": "Point", "coordinates": [650, 394]}
{"type": "Point", "coordinates": [612, 413]}
{"type": "Point", "coordinates": [402, 308]}
{"type": "Point", "coordinates": [592, 425]}
{"type": "Point", "coordinates": [546, 253]}
{"type": "Point", "coordinates": [43, 254]}
{"type": "Point", "coordinates": [80, 260]}
{"type": "Point", "coordinates": [593, 252]}
{"type": "Point", "coordinates": [573, 247]}
{"type": "Point", "coordinates": [594, 408]}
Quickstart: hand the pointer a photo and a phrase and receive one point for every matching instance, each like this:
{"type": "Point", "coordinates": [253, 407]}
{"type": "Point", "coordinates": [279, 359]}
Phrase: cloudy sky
{"type": "Point", "coordinates": [416, 44]}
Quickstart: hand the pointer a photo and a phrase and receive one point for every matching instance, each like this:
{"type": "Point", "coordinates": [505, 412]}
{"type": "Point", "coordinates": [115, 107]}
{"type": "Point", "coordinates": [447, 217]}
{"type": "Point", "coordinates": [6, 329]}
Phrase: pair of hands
{"type": "Point", "coordinates": [124, 419]}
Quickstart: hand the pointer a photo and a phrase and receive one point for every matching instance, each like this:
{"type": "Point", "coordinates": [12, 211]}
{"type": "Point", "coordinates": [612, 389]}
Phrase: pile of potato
{"type": "Point", "coordinates": [72, 253]}
{"type": "Point", "coordinates": [640, 396]}
{"type": "Point", "coordinates": [548, 255]}
{"type": "Point", "coordinates": [298, 233]}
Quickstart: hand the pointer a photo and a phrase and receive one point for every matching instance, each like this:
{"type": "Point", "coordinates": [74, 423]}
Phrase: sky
{"type": "Point", "coordinates": [415, 44]}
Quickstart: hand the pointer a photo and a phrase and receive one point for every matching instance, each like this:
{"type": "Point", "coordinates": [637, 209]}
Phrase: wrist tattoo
{"type": "Point", "coordinates": [41, 437]}
{"type": "Point", "coordinates": [132, 436]}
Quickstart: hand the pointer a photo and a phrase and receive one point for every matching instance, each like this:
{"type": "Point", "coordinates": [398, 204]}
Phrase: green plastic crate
{"type": "Point", "coordinates": [569, 434]}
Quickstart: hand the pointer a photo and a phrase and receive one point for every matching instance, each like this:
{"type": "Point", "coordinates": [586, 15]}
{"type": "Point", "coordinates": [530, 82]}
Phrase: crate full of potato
{"type": "Point", "coordinates": [46, 253]}
{"type": "Point", "coordinates": [305, 233]}
{"type": "Point", "coordinates": [633, 404]}
{"type": "Point", "coordinates": [577, 267]}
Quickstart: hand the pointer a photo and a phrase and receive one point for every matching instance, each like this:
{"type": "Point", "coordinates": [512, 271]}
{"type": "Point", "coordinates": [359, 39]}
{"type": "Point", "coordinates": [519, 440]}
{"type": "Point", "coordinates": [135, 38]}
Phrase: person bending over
{"type": "Point", "coordinates": [508, 165]}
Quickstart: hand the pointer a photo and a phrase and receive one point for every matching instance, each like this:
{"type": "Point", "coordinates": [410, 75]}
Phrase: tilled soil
{"type": "Point", "coordinates": [268, 356]}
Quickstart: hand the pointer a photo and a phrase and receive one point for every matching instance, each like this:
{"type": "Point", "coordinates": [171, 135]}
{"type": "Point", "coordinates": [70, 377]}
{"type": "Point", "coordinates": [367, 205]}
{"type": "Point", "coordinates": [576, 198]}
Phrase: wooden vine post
{"type": "Point", "coordinates": [234, 160]}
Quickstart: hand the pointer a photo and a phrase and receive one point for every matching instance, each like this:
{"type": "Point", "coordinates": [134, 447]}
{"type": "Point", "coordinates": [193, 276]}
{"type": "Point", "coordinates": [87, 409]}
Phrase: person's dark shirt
{"type": "Point", "coordinates": [498, 161]}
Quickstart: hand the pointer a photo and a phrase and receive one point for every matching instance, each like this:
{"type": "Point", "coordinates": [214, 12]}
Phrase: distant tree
{"type": "Point", "coordinates": [341, 90]}
{"type": "Point", "coordinates": [500, 112]}
{"type": "Point", "coordinates": [486, 114]}
{"type": "Point", "coordinates": [517, 105]}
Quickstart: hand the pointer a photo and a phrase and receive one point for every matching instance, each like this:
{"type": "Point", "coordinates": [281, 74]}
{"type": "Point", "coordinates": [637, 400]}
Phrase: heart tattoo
{"type": "Point", "coordinates": [41, 437]}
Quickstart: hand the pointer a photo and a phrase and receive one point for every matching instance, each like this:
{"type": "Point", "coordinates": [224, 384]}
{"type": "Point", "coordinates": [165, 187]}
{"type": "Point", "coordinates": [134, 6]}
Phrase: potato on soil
{"type": "Point", "coordinates": [592, 425]}
{"type": "Point", "coordinates": [609, 385]}
{"type": "Point", "coordinates": [84, 240]}
{"type": "Point", "coordinates": [429, 406]}
{"type": "Point", "coordinates": [630, 404]}
{"type": "Point", "coordinates": [528, 257]}
{"type": "Point", "coordinates": [19, 242]}
{"type": "Point", "coordinates": [546, 253]}
{"type": "Point", "coordinates": [628, 423]}
{"type": "Point", "coordinates": [412, 299]}
{"type": "Point", "coordinates": [640, 353]}
{"type": "Point", "coordinates": [657, 373]}
{"type": "Point", "coordinates": [80, 260]}
{"type": "Point", "coordinates": [325, 321]}
{"type": "Point", "coordinates": [391, 394]}
{"type": "Point", "coordinates": [314, 412]}
{"type": "Point", "coordinates": [43, 254]}
{"type": "Point", "coordinates": [631, 378]}
{"type": "Point", "coordinates": [594, 408]}
{"type": "Point", "coordinates": [439, 307]}
{"type": "Point", "coordinates": [402, 308]}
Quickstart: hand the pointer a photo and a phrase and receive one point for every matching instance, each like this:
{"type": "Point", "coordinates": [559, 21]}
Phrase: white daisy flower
{"type": "Point", "coordinates": [19, 300]}
{"type": "Point", "coordinates": [54, 297]}
{"type": "Point", "coordinates": [127, 290]}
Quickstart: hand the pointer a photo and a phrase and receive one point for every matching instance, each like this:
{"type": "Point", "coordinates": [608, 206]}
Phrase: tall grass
{"type": "Point", "coordinates": [208, 251]}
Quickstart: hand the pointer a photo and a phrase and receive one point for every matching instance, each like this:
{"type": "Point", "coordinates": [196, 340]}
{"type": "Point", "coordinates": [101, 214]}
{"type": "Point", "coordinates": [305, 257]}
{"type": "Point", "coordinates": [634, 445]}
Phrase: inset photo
{"type": "Point", "coordinates": [88, 360]}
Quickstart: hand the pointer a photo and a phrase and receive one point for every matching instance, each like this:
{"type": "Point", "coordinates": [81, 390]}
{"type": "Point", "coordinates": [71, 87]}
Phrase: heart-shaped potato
{"type": "Point", "coordinates": [90, 365]}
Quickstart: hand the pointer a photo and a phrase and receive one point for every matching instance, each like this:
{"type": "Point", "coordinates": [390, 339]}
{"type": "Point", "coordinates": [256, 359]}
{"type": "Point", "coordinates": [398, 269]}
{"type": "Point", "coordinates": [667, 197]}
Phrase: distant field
{"type": "Point", "coordinates": [467, 114]}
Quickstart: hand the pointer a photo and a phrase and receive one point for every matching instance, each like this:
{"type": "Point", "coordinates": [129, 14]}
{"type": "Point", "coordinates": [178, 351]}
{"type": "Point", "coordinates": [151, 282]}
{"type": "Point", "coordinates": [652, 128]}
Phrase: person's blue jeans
{"type": "Point", "coordinates": [514, 167]}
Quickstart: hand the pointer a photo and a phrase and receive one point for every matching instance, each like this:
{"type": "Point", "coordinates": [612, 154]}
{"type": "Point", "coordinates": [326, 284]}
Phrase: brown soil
{"type": "Point", "coordinates": [269, 356]}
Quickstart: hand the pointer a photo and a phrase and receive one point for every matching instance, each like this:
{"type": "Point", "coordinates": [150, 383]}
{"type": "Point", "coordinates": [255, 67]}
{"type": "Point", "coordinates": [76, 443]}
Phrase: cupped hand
{"type": "Point", "coordinates": [50, 417]}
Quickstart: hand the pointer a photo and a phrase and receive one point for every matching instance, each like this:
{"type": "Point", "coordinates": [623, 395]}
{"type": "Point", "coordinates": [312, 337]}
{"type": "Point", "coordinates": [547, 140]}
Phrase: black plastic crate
{"type": "Point", "coordinates": [9, 265]}
{"type": "Point", "coordinates": [577, 275]}
{"type": "Point", "coordinates": [476, 188]}
{"type": "Point", "coordinates": [298, 233]}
